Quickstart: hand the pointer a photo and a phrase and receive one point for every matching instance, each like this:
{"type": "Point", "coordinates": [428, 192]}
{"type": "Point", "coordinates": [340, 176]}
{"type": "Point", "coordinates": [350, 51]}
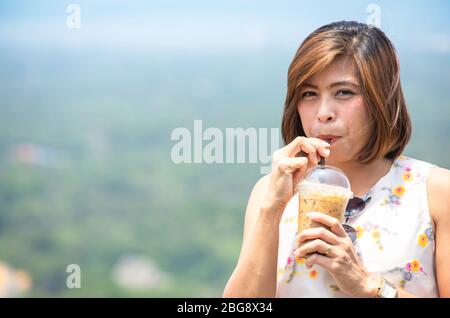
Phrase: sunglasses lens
{"type": "Point", "coordinates": [354, 206]}
{"type": "Point", "coordinates": [351, 232]}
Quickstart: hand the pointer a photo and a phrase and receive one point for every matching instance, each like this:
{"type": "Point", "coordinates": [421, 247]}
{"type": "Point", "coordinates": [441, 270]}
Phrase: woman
{"type": "Point", "coordinates": [345, 103]}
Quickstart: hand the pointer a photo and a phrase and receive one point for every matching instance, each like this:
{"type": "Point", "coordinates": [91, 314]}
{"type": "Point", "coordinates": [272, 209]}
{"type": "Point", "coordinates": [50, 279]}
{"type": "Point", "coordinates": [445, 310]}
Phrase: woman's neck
{"type": "Point", "coordinates": [364, 176]}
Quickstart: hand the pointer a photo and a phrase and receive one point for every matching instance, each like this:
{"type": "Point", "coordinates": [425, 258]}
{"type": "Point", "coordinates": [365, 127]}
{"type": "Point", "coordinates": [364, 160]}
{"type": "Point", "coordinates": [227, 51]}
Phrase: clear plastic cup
{"type": "Point", "coordinates": [324, 189]}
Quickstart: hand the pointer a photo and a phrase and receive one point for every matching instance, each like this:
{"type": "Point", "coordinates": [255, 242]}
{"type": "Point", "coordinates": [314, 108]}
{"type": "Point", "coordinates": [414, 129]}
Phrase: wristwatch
{"type": "Point", "coordinates": [387, 290]}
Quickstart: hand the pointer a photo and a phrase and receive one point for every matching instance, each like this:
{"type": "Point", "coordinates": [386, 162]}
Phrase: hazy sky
{"type": "Point", "coordinates": [226, 25]}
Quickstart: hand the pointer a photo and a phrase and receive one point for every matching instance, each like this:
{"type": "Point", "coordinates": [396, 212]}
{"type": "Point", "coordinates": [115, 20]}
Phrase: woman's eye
{"type": "Point", "coordinates": [345, 93]}
{"type": "Point", "coordinates": [308, 94]}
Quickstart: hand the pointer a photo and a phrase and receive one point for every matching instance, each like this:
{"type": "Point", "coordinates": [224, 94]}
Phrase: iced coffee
{"type": "Point", "coordinates": [327, 199]}
{"type": "Point", "coordinates": [324, 189]}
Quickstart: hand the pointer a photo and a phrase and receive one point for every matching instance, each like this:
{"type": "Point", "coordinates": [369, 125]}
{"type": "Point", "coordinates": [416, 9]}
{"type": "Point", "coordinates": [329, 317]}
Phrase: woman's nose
{"type": "Point", "coordinates": [325, 113]}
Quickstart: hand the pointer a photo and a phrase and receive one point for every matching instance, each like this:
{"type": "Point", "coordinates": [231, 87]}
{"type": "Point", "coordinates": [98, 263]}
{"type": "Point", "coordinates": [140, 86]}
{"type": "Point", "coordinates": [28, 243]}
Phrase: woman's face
{"type": "Point", "coordinates": [332, 108]}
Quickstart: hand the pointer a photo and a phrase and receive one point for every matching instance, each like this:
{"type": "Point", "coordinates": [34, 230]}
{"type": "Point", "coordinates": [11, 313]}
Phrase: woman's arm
{"type": "Point", "coordinates": [255, 273]}
{"type": "Point", "coordinates": [438, 200]}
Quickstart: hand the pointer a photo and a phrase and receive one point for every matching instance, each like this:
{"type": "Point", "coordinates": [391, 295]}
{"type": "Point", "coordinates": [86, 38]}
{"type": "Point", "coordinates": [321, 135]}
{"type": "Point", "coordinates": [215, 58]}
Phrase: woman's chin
{"type": "Point", "coordinates": [332, 160]}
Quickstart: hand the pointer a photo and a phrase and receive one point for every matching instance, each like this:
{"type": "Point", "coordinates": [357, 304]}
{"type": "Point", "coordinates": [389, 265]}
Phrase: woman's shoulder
{"type": "Point", "coordinates": [255, 200]}
{"type": "Point", "coordinates": [261, 186]}
{"type": "Point", "coordinates": [439, 184]}
{"type": "Point", "coordinates": [438, 194]}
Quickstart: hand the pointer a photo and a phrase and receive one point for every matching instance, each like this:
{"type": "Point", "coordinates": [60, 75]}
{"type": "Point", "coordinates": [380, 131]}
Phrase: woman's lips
{"type": "Point", "coordinates": [330, 140]}
{"type": "Point", "coordinates": [333, 140]}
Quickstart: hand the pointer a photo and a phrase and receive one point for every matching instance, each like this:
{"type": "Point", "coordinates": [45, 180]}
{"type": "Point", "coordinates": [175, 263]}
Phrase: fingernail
{"type": "Point", "coordinates": [327, 152]}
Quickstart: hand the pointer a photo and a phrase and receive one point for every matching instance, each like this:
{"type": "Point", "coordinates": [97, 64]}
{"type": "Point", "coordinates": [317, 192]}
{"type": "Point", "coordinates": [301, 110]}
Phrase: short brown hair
{"type": "Point", "coordinates": [377, 70]}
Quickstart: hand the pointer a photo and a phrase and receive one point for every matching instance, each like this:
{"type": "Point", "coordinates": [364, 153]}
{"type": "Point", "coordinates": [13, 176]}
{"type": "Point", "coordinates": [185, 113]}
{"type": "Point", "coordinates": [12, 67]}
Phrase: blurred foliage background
{"type": "Point", "coordinates": [86, 116]}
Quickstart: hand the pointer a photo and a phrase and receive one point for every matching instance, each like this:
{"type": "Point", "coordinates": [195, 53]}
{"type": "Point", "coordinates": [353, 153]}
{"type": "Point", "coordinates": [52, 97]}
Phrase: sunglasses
{"type": "Point", "coordinates": [354, 207]}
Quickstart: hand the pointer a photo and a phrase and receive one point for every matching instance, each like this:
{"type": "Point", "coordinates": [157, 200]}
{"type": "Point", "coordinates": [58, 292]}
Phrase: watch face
{"type": "Point", "coordinates": [388, 291]}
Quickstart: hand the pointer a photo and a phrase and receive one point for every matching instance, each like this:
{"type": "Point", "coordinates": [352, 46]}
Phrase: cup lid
{"type": "Point", "coordinates": [327, 175]}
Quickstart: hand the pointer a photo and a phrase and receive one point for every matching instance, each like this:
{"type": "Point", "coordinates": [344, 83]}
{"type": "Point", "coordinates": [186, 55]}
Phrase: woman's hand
{"type": "Point", "coordinates": [333, 250]}
{"type": "Point", "coordinates": [287, 169]}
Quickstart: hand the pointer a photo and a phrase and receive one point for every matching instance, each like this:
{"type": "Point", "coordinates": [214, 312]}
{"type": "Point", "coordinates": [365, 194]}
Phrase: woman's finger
{"type": "Point", "coordinates": [317, 259]}
{"type": "Point", "coordinates": [300, 143]}
{"type": "Point", "coordinates": [292, 164]}
{"type": "Point", "coordinates": [315, 246]}
{"type": "Point", "coordinates": [316, 150]}
{"type": "Point", "coordinates": [307, 145]}
{"type": "Point", "coordinates": [318, 233]}
{"type": "Point", "coordinates": [322, 146]}
{"type": "Point", "coordinates": [333, 223]}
